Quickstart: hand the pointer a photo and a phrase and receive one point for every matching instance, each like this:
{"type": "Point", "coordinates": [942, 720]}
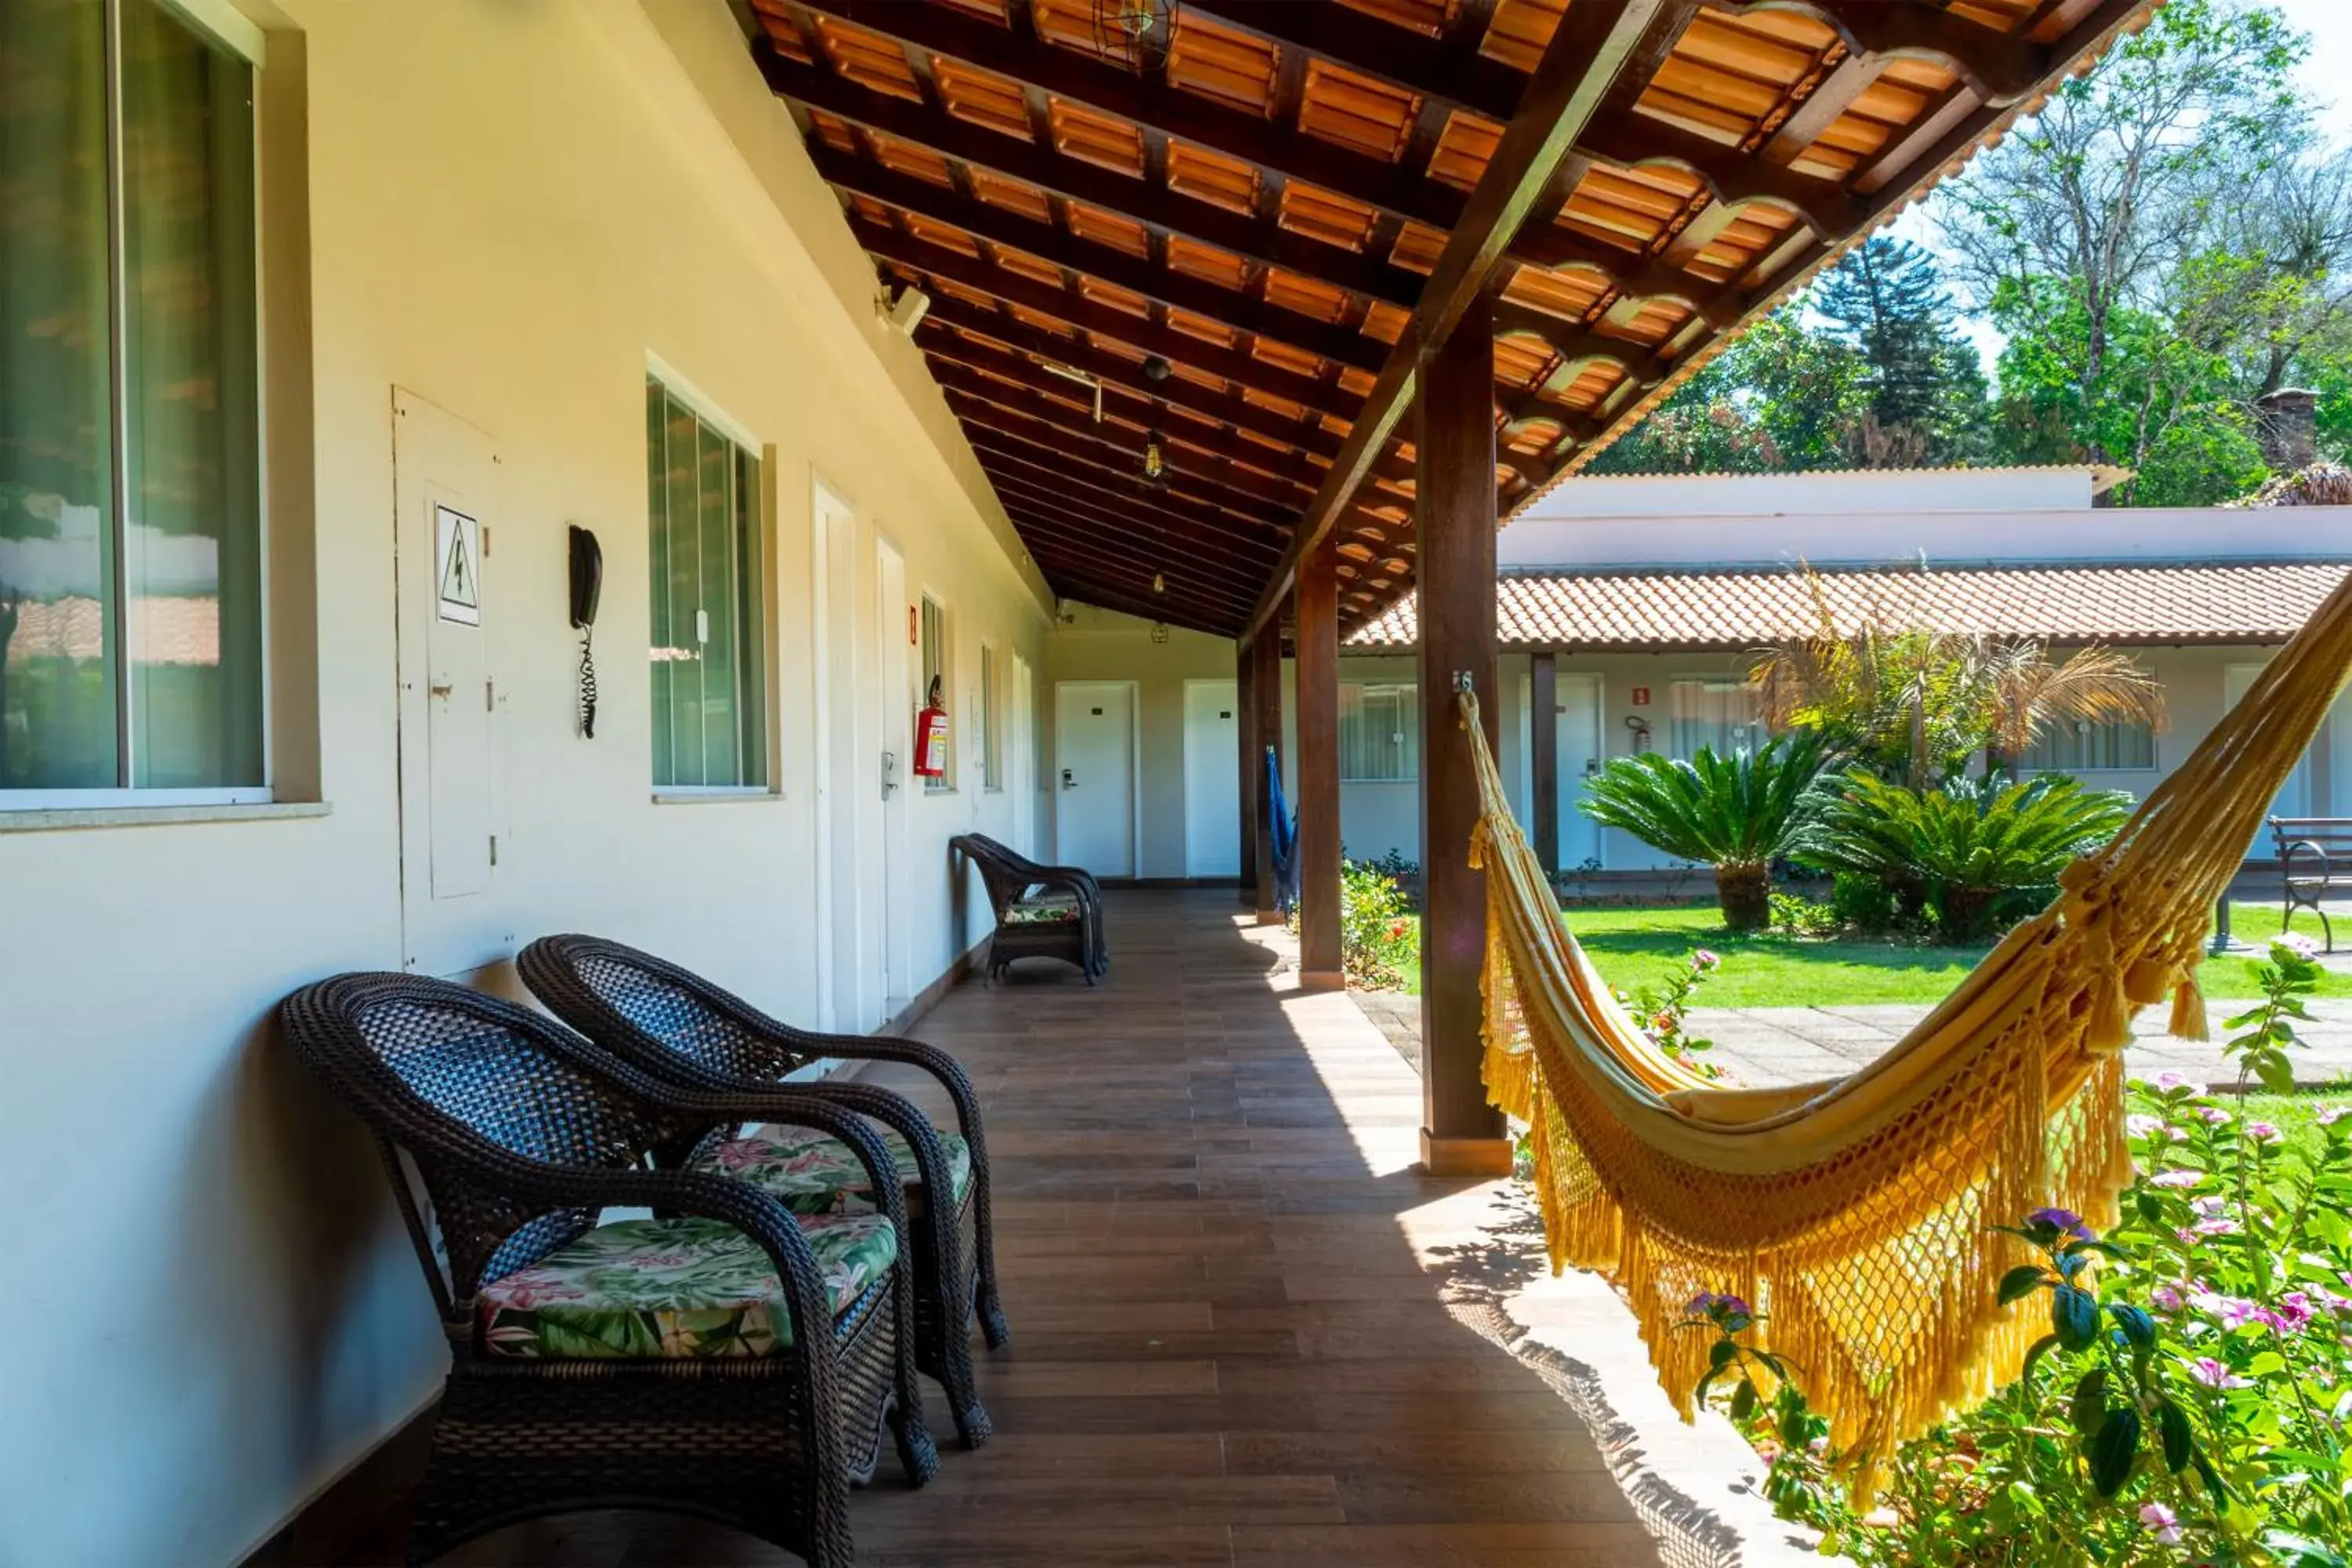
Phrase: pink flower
{"type": "Point", "coordinates": [2261, 1131]}
{"type": "Point", "coordinates": [2330, 1115]}
{"type": "Point", "coordinates": [2234, 1312]}
{"type": "Point", "coordinates": [2212, 1115]}
{"type": "Point", "coordinates": [2169, 1080]}
{"type": "Point", "coordinates": [2296, 943]}
{"type": "Point", "coordinates": [2162, 1520]}
{"type": "Point", "coordinates": [2142, 1125]}
{"type": "Point", "coordinates": [2293, 1314]}
{"type": "Point", "coordinates": [1661, 1024]}
{"type": "Point", "coordinates": [2165, 1296]}
{"type": "Point", "coordinates": [2215, 1374]}
{"type": "Point", "coordinates": [2176, 1178]}
{"type": "Point", "coordinates": [1704, 959]}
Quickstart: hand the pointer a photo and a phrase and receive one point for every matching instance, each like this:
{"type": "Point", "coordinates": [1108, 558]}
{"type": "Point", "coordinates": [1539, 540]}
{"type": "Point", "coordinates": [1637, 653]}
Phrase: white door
{"type": "Point", "coordinates": [1094, 764]}
{"type": "Point", "coordinates": [892, 627]}
{"type": "Point", "coordinates": [445, 497]}
{"type": "Point", "coordinates": [844, 768]}
{"type": "Point", "coordinates": [1020, 759]}
{"type": "Point", "coordinates": [1212, 785]}
{"type": "Point", "coordinates": [1576, 740]}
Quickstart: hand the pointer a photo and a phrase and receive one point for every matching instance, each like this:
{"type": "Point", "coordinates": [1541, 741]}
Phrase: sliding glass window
{"type": "Point", "coordinates": [131, 626]}
{"type": "Point", "coordinates": [710, 668]}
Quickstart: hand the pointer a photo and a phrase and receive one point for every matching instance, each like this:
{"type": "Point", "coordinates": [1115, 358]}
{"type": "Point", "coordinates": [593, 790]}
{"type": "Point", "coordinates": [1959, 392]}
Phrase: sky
{"type": "Point", "coordinates": [2325, 76]}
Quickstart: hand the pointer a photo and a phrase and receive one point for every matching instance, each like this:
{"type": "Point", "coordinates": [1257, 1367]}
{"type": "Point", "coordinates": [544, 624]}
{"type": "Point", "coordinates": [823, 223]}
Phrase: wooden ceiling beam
{"type": "Point", "coordinates": [2000, 68]}
{"type": "Point", "coordinates": [1234, 364]}
{"type": "Point", "coordinates": [1341, 345]}
{"type": "Point", "coordinates": [1209, 464]}
{"type": "Point", "coordinates": [1046, 470]}
{"type": "Point", "coordinates": [1381, 50]}
{"type": "Point", "coordinates": [1084, 80]}
{"type": "Point", "coordinates": [949, 316]}
{"type": "Point", "coordinates": [1578, 73]}
{"type": "Point", "coordinates": [1056, 551]}
{"type": "Point", "coordinates": [1131, 382]}
{"type": "Point", "coordinates": [1147, 202]}
{"type": "Point", "coordinates": [1071, 586]}
{"type": "Point", "coordinates": [1247, 560]}
{"type": "Point", "coordinates": [1121, 465]}
{"type": "Point", "coordinates": [1125, 555]}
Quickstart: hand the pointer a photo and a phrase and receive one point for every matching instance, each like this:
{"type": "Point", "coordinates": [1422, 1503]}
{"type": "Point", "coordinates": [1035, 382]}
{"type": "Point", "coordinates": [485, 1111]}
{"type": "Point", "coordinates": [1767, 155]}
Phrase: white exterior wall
{"type": "Point", "coordinates": [509, 207]}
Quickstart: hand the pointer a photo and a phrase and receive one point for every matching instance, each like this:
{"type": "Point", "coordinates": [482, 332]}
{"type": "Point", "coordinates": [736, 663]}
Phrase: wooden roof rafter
{"type": "Point", "coordinates": [1240, 248]}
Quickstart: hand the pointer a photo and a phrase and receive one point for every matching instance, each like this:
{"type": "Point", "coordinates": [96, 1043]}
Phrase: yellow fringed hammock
{"type": "Point", "coordinates": [1855, 1213]}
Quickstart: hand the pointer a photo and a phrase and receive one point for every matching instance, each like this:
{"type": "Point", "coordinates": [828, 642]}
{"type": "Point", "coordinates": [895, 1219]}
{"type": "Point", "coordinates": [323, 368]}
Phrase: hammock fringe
{"type": "Point", "coordinates": [1855, 1214]}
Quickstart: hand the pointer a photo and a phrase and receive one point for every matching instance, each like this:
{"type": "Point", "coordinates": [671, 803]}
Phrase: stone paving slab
{"type": "Point", "coordinates": [1789, 1045]}
{"type": "Point", "coordinates": [1792, 1045]}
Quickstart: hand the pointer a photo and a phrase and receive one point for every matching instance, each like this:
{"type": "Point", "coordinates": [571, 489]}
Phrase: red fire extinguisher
{"type": "Point", "coordinates": [931, 735]}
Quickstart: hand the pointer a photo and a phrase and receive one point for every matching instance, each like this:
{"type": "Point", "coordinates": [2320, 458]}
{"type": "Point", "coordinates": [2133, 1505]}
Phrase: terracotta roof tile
{"type": "Point", "coordinates": [2237, 602]}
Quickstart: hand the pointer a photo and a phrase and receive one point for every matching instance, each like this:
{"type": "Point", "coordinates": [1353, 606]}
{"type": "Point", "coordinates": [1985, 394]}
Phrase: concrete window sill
{"type": "Point", "coordinates": [78, 818]}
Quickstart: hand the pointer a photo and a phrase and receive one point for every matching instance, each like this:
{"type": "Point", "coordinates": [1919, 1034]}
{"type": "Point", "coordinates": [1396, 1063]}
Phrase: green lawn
{"type": "Point", "coordinates": [2295, 1115]}
{"type": "Point", "coordinates": [1639, 947]}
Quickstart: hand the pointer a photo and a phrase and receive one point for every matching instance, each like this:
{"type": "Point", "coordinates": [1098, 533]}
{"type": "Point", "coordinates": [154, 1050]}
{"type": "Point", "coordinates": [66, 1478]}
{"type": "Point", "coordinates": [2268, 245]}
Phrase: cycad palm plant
{"type": "Point", "coordinates": [1974, 843]}
{"type": "Point", "coordinates": [1736, 812]}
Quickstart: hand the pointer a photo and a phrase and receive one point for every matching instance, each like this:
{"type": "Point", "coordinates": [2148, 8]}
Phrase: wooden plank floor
{"type": "Point", "coordinates": [1240, 1333]}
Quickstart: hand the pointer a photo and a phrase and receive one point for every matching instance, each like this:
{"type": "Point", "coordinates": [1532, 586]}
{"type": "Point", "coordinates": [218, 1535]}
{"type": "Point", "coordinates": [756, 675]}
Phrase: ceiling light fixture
{"type": "Point", "coordinates": [1155, 461]}
{"type": "Point", "coordinates": [1136, 33]}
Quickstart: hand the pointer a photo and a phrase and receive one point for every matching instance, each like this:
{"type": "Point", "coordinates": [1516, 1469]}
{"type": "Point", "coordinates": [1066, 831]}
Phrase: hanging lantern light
{"type": "Point", "coordinates": [1155, 461]}
{"type": "Point", "coordinates": [1135, 33]}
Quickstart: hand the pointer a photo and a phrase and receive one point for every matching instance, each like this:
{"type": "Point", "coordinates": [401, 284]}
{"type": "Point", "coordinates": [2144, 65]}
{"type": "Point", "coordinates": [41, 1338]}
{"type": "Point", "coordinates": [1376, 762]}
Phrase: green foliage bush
{"type": "Point", "coordinates": [2188, 1404]}
{"type": "Point", "coordinates": [1737, 813]}
{"type": "Point", "coordinates": [1377, 927]}
{"type": "Point", "coordinates": [1979, 849]}
{"type": "Point", "coordinates": [1804, 917]}
{"type": "Point", "coordinates": [1864, 901]}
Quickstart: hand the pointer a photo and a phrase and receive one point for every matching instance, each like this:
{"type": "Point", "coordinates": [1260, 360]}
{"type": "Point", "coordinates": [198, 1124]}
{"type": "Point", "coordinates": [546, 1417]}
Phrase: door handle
{"type": "Point", "coordinates": [1068, 780]}
{"type": "Point", "coordinates": [441, 690]}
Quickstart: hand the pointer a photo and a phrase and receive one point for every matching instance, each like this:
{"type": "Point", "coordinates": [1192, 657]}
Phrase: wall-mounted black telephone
{"type": "Point", "coordinates": [587, 585]}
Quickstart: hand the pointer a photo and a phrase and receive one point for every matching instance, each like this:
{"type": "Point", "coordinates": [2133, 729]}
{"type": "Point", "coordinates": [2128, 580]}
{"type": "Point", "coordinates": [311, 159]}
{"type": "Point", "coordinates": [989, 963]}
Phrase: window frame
{"type": "Point", "coordinates": [757, 572]}
{"type": "Point", "coordinates": [989, 718]}
{"type": "Point", "coordinates": [1712, 685]}
{"type": "Point", "coordinates": [1410, 772]}
{"type": "Point", "coordinates": [217, 23]}
{"type": "Point", "coordinates": [2080, 733]}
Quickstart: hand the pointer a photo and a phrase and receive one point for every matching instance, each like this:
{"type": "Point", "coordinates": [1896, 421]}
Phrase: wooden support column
{"type": "Point", "coordinates": [1318, 614]}
{"type": "Point", "coordinates": [1543, 757]}
{"type": "Point", "coordinates": [1454, 520]}
{"type": "Point", "coordinates": [1252, 776]}
{"type": "Point", "coordinates": [1265, 700]}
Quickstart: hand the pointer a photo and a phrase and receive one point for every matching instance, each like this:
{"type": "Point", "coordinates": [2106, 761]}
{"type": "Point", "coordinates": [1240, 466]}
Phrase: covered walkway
{"type": "Point", "coordinates": [1247, 1330]}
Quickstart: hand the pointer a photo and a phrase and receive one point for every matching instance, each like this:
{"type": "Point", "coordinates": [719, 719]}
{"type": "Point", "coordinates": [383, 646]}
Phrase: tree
{"type": "Point", "coordinates": [1914, 706]}
{"type": "Point", "coordinates": [1781, 398]}
{"type": "Point", "coordinates": [1923, 384]}
{"type": "Point", "coordinates": [1737, 813]}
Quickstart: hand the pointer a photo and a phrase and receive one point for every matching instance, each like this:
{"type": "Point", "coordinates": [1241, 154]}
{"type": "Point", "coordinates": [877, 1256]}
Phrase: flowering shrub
{"type": "Point", "coordinates": [1379, 934]}
{"type": "Point", "coordinates": [1663, 1011]}
{"type": "Point", "coordinates": [2188, 1404]}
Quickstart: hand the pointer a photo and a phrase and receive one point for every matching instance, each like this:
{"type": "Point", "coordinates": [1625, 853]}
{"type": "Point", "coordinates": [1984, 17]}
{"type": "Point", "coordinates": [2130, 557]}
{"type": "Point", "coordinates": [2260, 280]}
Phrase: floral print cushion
{"type": "Point", "coordinates": [813, 1174]}
{"type": "Point", "coordinates": [1036, 912]}
{"type": "Point", "coordinates": [654, 1288]}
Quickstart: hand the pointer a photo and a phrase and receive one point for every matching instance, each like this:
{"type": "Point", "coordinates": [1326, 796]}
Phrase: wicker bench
{"type": "Point", "coordinates": [1041, 912]}
{"type": "Point", "coordinates": [2313, 851]}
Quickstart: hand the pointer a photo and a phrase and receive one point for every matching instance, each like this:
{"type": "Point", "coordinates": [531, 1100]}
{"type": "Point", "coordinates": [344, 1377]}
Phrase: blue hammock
{"type": "Point", "coordinates": [1286, 836]}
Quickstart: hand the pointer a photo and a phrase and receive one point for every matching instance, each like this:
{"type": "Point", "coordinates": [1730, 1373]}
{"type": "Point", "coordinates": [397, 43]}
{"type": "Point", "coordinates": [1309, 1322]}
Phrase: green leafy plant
{"type": "Point", "coordinates": [1976, 849]}
{"type": "Point", "coordinates": [2188, 1401]}
{"type": "Point", "coordinates": [1377, 927]}
{"type": "Point", "coordinates": [1804, 917]}
{"type": "Point", "coordinates": [1664, 1011]}
{"type": "Point", "coordinates": [1737, 813]}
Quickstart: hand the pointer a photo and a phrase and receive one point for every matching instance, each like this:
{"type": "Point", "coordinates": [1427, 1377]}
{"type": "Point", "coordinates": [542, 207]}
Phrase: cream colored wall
{"type": "Point", "coordinates": [510, 206]}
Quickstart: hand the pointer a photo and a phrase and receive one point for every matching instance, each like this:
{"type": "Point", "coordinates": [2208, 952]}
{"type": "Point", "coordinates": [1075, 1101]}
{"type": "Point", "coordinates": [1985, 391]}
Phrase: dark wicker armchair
{"type": "Point", "coordinates": [728, 1359]}
{"type": "Point", "coordinates": [1041, 912]}
{"type": "Point", "coordinates": [678, 1025]}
